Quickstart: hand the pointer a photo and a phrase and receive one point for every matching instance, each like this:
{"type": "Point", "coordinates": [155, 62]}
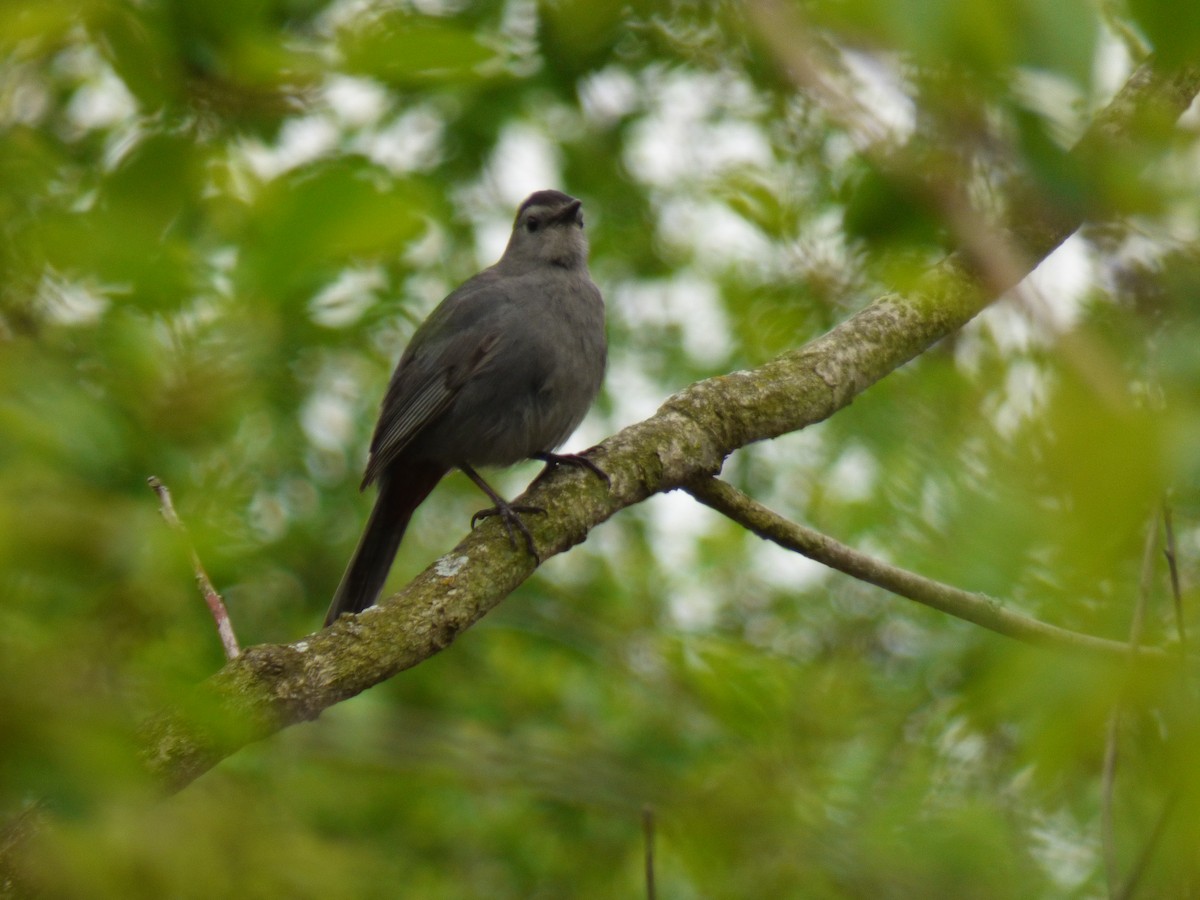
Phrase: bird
{"type": "Point", "coordinates": [504, 369]}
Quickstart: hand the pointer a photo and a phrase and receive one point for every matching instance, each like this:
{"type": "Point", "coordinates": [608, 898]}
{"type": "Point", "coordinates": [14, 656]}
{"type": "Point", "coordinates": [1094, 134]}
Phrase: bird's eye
{"type": "Point", "coordinates": [531, 225]}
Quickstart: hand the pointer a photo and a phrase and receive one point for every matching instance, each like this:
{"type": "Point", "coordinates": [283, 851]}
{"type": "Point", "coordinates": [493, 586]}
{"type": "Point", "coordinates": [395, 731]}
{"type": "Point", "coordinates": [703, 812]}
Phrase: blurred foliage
{"type": "Point", "coordinates": [220, 222]}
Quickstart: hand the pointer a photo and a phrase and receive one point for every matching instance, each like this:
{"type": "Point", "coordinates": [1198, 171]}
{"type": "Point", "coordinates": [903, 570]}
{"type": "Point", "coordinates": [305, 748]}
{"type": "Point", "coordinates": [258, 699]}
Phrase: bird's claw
{"type": "Point", "coordinates": [577, 460]}
{"type": "Point", "coordinates": [508, 513]}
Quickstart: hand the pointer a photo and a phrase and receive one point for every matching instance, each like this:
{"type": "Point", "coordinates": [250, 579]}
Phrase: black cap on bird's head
{"type": "Point", "coordinates": [546, 198]}
{"type": "Point", "coordinates": [551, 206]}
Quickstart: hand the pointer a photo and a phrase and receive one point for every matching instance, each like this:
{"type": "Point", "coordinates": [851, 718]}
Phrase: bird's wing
{"type": "Point", "coordinates": [395, 431]}
{"type": "Point", "coordinates": [420, 391]}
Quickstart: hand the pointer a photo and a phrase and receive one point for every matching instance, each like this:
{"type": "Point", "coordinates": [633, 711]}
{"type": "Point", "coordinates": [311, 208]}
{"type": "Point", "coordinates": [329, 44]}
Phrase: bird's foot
{"type": "Point", "coordinates": [512, 520]}
{"type": "Point", "coordinates": [505, 511]}
{"type": "Point", "coordinates": [577, 460]}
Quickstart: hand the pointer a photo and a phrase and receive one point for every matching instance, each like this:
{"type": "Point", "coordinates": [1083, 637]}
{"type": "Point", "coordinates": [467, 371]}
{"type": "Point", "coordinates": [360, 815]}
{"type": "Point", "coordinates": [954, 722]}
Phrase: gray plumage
{"type": "Point", "coordinates": [503, 370]}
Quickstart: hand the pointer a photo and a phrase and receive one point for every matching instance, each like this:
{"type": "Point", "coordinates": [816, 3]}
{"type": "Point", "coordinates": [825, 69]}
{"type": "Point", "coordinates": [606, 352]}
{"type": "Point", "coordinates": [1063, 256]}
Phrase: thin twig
{"type": "Point", "coordinates": [648, 835]}
{"type": "Point", "coordinates": [1173, 568]}
{"type": "Point", "coordinates": [977, 608]}
{"type": "Point", "coordinates": [15, 836]}
{"type": "Point", "coordinates": [216, 605]}
{"type": "Point", "coordinates": [1145, 585]}
{"type": "Point", "coordinates": [1108, 781]}
{"type": "Point", "coordinates": [1108, 775]}
{"type": "Point", "coordinates": [1143, 860]}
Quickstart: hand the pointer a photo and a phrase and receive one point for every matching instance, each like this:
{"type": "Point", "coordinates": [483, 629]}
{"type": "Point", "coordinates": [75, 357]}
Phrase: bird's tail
{"type": "Point", "coordinates": [399, 495]}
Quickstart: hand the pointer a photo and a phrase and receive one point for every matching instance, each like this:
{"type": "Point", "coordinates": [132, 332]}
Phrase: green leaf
{"type": "Point", "coordinates": [1173, 28]}
{"type": "Point", "coordinates": [320, 217]}
{"type": "Point", "coordinates": [405, 50]}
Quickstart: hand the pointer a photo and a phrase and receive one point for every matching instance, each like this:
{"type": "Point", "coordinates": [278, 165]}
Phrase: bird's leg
{"type": "Point", "coordinates": [578, 460]}
{"type": "Point", "coordinates": [505, 510]}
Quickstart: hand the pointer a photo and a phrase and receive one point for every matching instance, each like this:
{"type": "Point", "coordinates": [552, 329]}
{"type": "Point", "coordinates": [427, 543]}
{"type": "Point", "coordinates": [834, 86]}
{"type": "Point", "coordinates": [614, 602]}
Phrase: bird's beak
{"type": "Point", "coordinates": [568, 213]}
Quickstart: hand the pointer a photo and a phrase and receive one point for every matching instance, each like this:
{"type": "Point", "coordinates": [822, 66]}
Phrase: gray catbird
{"type": "Point", "coordinates": [503, 370]}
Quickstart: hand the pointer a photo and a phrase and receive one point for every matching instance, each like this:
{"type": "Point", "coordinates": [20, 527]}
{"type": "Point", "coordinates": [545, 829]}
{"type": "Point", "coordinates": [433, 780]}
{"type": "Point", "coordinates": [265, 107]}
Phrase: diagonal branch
{"type": "Point", "coordinates": [272, 686]}
{"type": "Point", "coordinates": [970, 607]}
{"type": "Point", "coordinates": [212, 597]}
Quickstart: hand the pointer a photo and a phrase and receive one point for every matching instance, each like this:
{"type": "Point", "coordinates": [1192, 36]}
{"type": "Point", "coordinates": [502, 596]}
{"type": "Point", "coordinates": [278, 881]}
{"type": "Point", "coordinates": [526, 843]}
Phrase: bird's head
{"type": "Point", "coordinates": [548, 231]}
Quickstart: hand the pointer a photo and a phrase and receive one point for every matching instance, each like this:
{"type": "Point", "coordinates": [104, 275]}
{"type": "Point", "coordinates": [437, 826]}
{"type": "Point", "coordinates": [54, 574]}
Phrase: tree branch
{"type": "Point", "coordinates": [272, 686]}
{"type": "Point", "coordinates": [212, 598]}
{"type": "Point", "coordinates": [976, 608]}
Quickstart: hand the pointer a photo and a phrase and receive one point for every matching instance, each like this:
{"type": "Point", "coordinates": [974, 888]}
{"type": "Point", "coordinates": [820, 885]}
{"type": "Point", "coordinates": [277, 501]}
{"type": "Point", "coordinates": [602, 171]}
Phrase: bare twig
{"type": "Point", "coordinates": [15, 835]}
{"type": "Point", "coordinates": [1108, 778]}
{"type": "Point", "coordinates": [216, 605]}
{"type": "Point", "coordinates": [1108, 781]}
{"type": "Point", "coordinates": [1145, 584]}
{"type": "Point", "coordinates": [1139, 867]}
{"type": "Point", "coordinates": [971, 607]}
{"type": "Point", "coordinates": [648, 836]}
{"type": "Point", "coordinates": [1173, 568]}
